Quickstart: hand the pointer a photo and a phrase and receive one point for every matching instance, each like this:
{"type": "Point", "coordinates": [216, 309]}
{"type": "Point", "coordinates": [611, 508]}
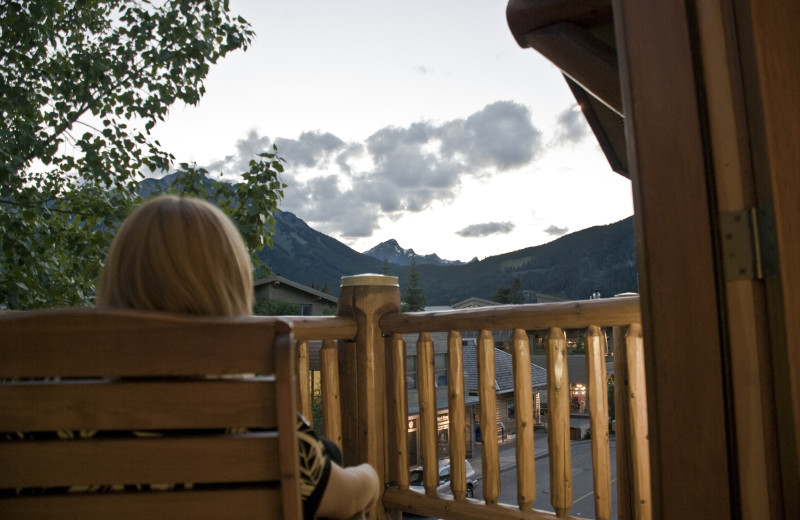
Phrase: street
{"type": "Point", "coordinates": [582, 482]}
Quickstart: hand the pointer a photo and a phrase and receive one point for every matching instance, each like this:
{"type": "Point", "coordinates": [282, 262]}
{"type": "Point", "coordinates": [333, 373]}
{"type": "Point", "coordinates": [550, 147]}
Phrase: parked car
{"type": "Point", "coordinates": [416, 482]}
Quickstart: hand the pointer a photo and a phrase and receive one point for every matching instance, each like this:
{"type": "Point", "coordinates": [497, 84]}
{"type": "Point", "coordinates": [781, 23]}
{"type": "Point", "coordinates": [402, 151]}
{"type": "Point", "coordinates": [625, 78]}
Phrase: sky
{"type": "Point", "coordinates": [418, 121]}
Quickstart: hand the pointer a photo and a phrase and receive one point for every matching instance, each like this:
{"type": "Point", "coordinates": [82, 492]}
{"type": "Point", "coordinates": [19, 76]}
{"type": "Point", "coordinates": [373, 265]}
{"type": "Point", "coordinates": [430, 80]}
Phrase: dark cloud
{"type": "Point", "coordinates": [352, 151]}
{"type": "Point", "coordinates": [309, 149]}
{"type": "Point", "coordinates": [572, 127]}
{"type": "Point", "coordinates": [486, 229]}
{"type": "Point", "coordinates": [556, 231]}
{"type": "Point", "coordinates": [396, 169]}
{"type": "Point", "coordinates": [500, 135]}
{"type": "Point", "coordinates": [333, 210]}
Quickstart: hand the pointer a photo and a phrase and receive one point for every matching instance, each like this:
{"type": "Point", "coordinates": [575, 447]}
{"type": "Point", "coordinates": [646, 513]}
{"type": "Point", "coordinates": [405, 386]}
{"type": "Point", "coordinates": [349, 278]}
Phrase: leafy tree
{"type": "Point", "coordinates": [262, 271]}
{"type": "Point", "coordinates": [415, 298]}
{"type": "Point", "coordinates": [275, 307]}
{"type": "Point", "coordinates": [317, 412]}
{"type": "Point", "coordinates": [82, 84]}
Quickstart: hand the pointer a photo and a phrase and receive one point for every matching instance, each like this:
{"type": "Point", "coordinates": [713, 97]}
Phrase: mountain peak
{"type": "Point", "coordinates": [391, 251]}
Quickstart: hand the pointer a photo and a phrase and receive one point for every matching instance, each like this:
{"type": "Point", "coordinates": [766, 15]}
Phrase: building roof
{"type": "Point", "coordinates": [503, 370]}
{"type": "Point", "coordinates": [473, 301]}
{"type": "Point", "coordinates": [576, 366]}
{"type": "Point", "coordinates": [548, 298]}
{"type": "Point", "coordinates": [277, 280]}
{"type": "Point", "coordinates": [441, 402]}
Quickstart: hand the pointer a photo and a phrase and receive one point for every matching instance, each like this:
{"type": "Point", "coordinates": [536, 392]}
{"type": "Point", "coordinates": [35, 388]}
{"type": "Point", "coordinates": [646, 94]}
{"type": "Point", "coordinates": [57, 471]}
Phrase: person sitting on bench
{"type": "Point", "coordinates": [184, 255]}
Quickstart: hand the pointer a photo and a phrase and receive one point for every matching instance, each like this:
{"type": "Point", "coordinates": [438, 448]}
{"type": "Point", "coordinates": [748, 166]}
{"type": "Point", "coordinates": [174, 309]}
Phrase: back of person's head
{"type": "Point", "coordinates": [178, 254]}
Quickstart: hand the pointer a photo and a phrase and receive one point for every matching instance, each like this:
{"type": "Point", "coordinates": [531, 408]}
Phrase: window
{"type": "Point", "coordinates": [511, 411]}
{"type": "Point", "coordinates": [440, 369]}
{"type": "Point", "coordinates": [305, 309]}
{"type": "Point", "coordinates": [411, 372]}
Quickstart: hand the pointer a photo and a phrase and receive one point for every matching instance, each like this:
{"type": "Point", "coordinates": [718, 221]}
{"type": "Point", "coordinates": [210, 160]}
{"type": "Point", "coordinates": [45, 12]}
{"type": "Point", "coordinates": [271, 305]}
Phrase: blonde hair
{"type": "Point", "coordinates": [179, 255]}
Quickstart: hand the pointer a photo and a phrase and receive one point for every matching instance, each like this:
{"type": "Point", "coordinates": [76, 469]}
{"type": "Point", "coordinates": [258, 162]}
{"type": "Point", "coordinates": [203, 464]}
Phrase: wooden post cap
{"type": "Point", "coordinates": [369, 279]}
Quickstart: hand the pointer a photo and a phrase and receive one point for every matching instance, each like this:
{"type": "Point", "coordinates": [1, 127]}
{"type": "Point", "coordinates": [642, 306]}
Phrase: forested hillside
{"type": "Point", "coordinates": [571, 267]}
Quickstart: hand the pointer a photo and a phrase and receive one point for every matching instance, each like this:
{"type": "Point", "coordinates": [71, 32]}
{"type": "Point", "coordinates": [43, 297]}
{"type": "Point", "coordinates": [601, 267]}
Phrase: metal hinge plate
{"type": "Point", "coordinates": [748, 244]}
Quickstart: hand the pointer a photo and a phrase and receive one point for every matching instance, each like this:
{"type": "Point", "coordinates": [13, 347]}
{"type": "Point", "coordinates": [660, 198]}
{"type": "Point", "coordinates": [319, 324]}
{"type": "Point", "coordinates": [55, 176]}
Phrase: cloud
{"type": "Point", "coordinates": [572, 127]}
{"type": "Point", "coordinates": [333, 210]}
{"type": "Point", "coordinates": [486, 229]}
{"type": "Point", "coordinates": [501, 135]}
{"type": "Point", "coordinates": [309, 149]}
{"type": "Point", "coordinates": [556, 231]}
{"type": "Point", "coordinates": [351, 152]}
{"type": "Point", "coordinates": [396, 170]}
{"type": "Point", "coordinates": [246, 151]}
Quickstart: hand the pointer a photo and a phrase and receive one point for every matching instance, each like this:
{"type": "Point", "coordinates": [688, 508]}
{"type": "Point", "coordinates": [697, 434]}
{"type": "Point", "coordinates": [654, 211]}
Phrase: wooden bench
{"type": "Point", "coordinates": [189, 379]}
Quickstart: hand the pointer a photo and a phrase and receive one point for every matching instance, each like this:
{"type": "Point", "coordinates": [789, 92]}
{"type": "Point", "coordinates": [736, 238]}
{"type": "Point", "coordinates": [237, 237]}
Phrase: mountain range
{"type": "Point", "coordinates": [570, 267]}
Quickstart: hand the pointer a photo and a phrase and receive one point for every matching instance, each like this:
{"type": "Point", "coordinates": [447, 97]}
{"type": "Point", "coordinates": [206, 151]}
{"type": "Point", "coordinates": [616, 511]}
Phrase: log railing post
{"type": "Point", "coordinates": [329, 381]}
{"type": "Point", "coordinates": [487, 384]}
{"type": "Point", "coordinates": [597, 388]}
{"type": "Point", "coordinates": [362, 371]}
{"type": "Point", "coordinates": [637, 428]}
{"type": "Point", "coordinates": [622, 414]}
{"type": "Point", "coordinates": [427, 412]}
{"type": "Point", "coordinates": [455, 401]}
{"type": "Point", "coordinates": [558, 423]}
{"type": "Point", "coordinates": [304, 389]}
{"type": "Point", "coordinates": [526, 465]}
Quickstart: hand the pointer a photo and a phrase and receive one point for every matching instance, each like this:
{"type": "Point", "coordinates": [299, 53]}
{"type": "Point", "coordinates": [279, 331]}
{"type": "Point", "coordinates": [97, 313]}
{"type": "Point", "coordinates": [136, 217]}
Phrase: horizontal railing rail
{"type": "Point", "coordinates": [537, 316]}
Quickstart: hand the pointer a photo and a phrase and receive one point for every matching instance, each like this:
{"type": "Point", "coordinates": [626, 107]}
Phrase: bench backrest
{"type": "Point", "coordinates": [173, 401]}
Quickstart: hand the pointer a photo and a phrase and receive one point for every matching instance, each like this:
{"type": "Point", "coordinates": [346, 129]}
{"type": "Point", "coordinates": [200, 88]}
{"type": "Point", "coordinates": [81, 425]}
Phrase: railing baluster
{"type": "Point", "coordinates": [400, 408]}
{"type": "Point", "coordinates": [331, 405]}
{"type": "Point", "coordinates": [523, 408]}
{"type": "Point", "coordinates": [490, 458]}
{"type": "Point", "coordinates": [597, 392]}
{"type": "Point", "coordinates": [558, 425]}
{"type": "Point", "coordinates": [455, 401]}
{"type": "Point", "coordinates": [304, 379]}
{"type": "Point", "coordinates": [639, 446]}
{"type": "Point", "coordinates": [427, 413]}
{"type": "Point", "coordinates": [625, 509]}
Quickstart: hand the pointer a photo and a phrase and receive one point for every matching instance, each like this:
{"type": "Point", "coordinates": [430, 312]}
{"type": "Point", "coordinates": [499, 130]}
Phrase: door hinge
{"type": "Point", "coordinates": [749, 247]}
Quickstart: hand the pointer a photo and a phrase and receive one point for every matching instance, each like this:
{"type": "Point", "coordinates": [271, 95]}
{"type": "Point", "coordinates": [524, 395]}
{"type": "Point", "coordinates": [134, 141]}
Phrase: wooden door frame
{"type": "Point", "coordinates": [706, 86]}
{"type": "Point", "coordinates": [686, 383]}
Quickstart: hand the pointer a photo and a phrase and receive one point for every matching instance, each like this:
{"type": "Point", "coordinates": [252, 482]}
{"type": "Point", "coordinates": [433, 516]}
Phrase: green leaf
{"type": "Point", "coordinates": [65, 66]}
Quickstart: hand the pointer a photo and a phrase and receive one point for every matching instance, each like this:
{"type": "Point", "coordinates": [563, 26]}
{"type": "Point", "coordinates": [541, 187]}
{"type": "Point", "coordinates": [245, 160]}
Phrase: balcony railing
{"type": "Point", "coordinates": [365, 406]}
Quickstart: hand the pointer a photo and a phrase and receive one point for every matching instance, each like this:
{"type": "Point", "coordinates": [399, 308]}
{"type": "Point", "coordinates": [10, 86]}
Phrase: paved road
{"type": "Point", "coordinates": [582, 480]}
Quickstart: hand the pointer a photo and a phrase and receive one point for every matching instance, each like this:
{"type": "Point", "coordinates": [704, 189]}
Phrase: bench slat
{"type": "Point", "coordinates": [97, 405]}
{"type": "Point", "coordinates": [239, 504]}
{"type": "Point", "coordinates": [86, 343]}
{"type": "Point", "coordinates": [83, 462]}
{"type": "Point", "coordinates": [116, 371]}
